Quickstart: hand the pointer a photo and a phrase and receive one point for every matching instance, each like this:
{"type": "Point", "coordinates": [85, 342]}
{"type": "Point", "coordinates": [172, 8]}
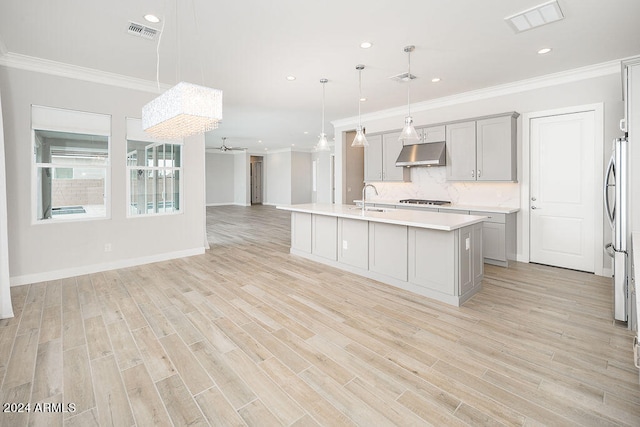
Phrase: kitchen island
{"type": "Point", "coordinates": [437, 255]}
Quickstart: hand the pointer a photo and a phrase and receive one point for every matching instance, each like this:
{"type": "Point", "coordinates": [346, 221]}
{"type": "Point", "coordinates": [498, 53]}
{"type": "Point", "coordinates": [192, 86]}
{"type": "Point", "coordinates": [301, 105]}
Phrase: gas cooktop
{"type": "Point", "coordinates": [426, 202]}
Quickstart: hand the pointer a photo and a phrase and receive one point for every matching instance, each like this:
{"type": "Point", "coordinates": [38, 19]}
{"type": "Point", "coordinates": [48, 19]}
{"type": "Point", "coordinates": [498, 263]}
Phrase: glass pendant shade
{"type": "Point", "coordinates": [409, 134]}
{"type": "Point", "coordinates": [323, 144]}
{"type": "Point", "coordinates": [360, 140]}
{"type": "Point", "coordinates": [183, 110]}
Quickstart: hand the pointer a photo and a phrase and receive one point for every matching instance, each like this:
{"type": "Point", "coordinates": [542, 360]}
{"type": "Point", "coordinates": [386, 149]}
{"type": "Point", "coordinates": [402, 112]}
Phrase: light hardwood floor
{"type": "Point", "coordinates": [247, 334]}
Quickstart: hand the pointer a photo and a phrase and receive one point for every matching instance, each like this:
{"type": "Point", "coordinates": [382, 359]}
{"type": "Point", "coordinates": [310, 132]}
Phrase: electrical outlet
{"type": "Point", "coordinates": [107, 247]}
{"type": "Point", "coordinates": [467, 243]}
{"type": "Point", "coordinates": [345, 245]}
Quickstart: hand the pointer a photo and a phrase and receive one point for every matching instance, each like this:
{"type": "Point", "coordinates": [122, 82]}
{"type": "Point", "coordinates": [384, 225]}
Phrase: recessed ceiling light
{"type": "Point", "coordinates": [259, 141]}
{"type": "Point", "coordinates": [306, 133]}
{"type": "Point", "coordinates": [152, 18]}
{"type": "Point", "coordinates": [544, 50]}
{"type": "Point", "coordinates": [366, 45]}
{"type": "Point", "coordinates": [435, 79]}
{"type": "Point", "coordinates": [291, 78]}
{"type": "Point", "coordinates": [363, 99]}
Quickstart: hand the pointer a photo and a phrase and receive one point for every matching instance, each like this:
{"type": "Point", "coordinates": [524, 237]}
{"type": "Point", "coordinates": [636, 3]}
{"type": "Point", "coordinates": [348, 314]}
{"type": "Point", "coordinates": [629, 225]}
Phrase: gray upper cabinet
{"type": "Point", "coordinates": [380, 159]}
{"type": "Point", "coordinates": [496, 149]}
{"type": "Point", "coordinates": [461, 151]}
{"type": "Point", "coordinates": [433, 134]}
{"type": "Point", "coordinates": [483, 149]}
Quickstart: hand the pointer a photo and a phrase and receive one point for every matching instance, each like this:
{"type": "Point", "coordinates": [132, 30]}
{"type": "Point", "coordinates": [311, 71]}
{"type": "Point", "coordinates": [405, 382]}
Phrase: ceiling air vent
{"type": "Point", "coordinates": [537, 16]}
{"type": "Point", "coordinates": [403, 77]}
{"type": "Point", "coordinates": [142, 31]}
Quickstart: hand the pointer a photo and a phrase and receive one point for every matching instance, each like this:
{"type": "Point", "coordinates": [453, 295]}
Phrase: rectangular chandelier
{"type": "Point", "coordinates": [184, 110]}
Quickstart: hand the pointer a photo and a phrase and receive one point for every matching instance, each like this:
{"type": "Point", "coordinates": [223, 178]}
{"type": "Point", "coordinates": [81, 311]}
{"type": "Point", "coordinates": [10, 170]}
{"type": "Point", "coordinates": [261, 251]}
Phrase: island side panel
{"type": "Point", "coordinates": [301, 231]}
{"type": "Point", "coordinates": [388, 249]}
{"type": "Point", "coordinates": [432, 259]}
{"type": "Point", "coordinates": [353, 242]}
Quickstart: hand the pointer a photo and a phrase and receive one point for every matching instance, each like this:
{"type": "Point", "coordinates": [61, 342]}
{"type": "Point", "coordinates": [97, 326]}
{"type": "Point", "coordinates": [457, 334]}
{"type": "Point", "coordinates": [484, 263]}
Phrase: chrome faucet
{"type": "Point", "coordinates": [364, 195]}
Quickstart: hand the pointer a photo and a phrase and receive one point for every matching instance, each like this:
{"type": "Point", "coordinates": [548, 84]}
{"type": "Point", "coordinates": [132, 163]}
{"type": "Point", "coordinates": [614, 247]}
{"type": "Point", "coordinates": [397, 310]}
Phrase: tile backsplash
{"type": "Point", "coordinates": [431, 183]}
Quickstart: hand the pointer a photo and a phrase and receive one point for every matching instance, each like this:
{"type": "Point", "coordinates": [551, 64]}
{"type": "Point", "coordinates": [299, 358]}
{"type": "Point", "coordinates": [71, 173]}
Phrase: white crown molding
{"type": "Point", "coordinates": [39, 65]}
{"type": "Point", "coordinates": [564, 77]}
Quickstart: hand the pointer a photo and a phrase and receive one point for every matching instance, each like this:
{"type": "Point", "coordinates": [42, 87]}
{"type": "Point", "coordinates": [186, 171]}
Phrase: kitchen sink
{"type": "Point", "coordinates": [372, 209]}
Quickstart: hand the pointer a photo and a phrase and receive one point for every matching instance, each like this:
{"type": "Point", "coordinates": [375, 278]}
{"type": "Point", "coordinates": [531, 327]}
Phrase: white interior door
{"type": "Point", "coordinates": [562, 196]}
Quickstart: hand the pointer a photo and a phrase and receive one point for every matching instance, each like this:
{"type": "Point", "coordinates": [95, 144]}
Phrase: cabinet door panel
{"type": "Point", "coordinates": [493, 241]}
{"type": "Point", "coordinates": [301, 231]}
{"type": "Point", "coordinates": [373, 159]}
{"type": "Point", "coordinates": [388, 249]}
{"type": "Point", "coordinates": [461, 151]}
{"type": "Point", "coordinates": [324, 241]}
{"type": "Point", "coordinates": [434, 134]}
{"type": "Point", "coordinates": [353, 242]}
{"type": "Point", "coordinates": [496, 149]}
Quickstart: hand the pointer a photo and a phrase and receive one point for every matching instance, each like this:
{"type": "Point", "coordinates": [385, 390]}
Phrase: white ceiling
{"type": "Point", "coordinates": [248, 47]}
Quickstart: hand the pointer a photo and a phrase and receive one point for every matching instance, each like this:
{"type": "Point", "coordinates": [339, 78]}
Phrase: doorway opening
{"type": "Point", "coordinates": [256, 180]}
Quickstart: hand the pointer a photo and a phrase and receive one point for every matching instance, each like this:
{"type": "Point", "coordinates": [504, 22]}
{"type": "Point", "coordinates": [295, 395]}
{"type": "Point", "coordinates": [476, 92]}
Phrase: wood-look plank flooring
{"type": "Point", "coordinates": [248, 334]}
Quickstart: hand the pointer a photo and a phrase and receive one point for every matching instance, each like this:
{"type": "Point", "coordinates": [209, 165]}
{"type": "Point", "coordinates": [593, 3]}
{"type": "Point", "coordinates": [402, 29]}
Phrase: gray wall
{"type": "Point", "coordinates": [242, 179]}
{"type": "Point", "coordinates": [301, 177]}
{"type": "Point", "coordinates": [277, 175]}
{"type": "Point", "coordinates": [220, 179]}
{"type": "Point", "coordinates": [46, 251]}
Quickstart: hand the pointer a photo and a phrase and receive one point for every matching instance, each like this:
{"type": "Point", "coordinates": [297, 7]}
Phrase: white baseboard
{"type": "Point", "coordinates": [220, 204]}
{"type": "Point", "coordinates": [88, 269]}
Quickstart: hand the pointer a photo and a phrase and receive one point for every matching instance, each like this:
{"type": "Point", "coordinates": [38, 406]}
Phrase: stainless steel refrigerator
{"type": "Point", "coordinates": [616, 196]}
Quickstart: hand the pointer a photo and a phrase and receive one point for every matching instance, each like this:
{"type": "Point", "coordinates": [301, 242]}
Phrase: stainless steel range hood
{"type": "Point", "coordinates": [430, 154]}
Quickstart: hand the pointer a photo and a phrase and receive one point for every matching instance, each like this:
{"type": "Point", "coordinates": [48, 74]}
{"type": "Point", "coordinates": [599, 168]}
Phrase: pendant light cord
{"type": "Point", "coordinates": [323, 83]}
{"type": "Point", "coordinates": [409, 84]}
{"type": "Point", "coordinates": [164, 20]}
{"type": "Point", "coordinates": [360, 95]}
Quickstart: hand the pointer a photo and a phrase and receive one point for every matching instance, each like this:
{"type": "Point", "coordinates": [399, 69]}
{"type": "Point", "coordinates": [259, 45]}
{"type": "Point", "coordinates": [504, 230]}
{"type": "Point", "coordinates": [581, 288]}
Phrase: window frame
{"type": "Point", "coordinates": [136, 134]}
{"type": "Point", "coordinates": [64, 120]}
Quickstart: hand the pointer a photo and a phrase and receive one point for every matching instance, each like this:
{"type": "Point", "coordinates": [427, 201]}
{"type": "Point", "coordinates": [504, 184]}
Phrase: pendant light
{"type": "Point", "coordinates": [360, 140]}
{"type": "Point", "coordinates": [185, 109]}
{"type": "Point", "coordinates": [409, 133]}
{"type": "Point", "coordinates": [323, 144]}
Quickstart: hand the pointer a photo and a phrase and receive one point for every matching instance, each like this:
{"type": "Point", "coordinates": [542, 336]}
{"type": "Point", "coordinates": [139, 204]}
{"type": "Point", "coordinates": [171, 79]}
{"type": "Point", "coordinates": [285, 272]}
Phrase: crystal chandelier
{"type": "Point", "coordinates": [409, 133]}
{"type": "Point", "coordinates": [360, 140]}
{"type": "Point", "coordinates": [184, 110]}
{"type": "Point", "coordinates": [323, 144]}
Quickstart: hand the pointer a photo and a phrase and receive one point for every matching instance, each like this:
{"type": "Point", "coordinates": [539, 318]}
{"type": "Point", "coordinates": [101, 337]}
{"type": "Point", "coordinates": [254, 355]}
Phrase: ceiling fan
{"type": "Point", "coordinates": [224, 147]}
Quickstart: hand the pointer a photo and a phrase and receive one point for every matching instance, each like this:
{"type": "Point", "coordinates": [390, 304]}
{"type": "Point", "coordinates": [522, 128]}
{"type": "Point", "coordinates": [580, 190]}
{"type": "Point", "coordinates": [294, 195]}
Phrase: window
{"type": "Point", "coordinates": [154, 172]}
{"type": "Point", "coordinates": [71, 164]}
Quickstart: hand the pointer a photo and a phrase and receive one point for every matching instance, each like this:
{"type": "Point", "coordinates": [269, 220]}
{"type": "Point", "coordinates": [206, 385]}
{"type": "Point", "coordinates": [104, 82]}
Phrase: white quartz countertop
{"type": "Point", "coordinates": [490, 209]}
{"type": "Point", "coordinates": [408, 217]}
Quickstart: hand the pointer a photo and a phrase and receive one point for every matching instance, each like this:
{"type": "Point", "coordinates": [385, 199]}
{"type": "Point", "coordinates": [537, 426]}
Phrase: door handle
{"type": "Point", "coordinates": [533, 199]}
{"type": "Point", "coordinates": [473, 173]}
{"type": "Point", "coordinates": [479, 173]}
{"type": "Point", "coordinates": [534, 207]}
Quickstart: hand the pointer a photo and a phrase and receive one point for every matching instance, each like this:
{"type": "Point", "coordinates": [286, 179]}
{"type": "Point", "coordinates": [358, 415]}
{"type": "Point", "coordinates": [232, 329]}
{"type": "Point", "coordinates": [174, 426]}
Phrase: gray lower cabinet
{"type": "Point", "coordinates": [324, 230]}
{"type": "Point", "coordinates": [301, 231]}
{"type": "Point", "coordinates": [353, 242]}
{"type": "Point", "coordinates": [499, 238]}
{"type": "Point", "coordinates": [388, 249]}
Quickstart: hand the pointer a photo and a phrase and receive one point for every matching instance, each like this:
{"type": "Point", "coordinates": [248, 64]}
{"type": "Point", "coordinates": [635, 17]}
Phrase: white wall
{"type": "Point", "coordinates": [277, 172]}
{"type": "Point", "coordinates": [301, 189]}
{"type": "Point", "coordinates": [323, 177]}
{"type": "Point", "coordinates": [6, 310]}
{"type": "Point", "coordinates": [598, 87]}
{"type": "Point", "coordinates": [46, 251]}
{"type": "Point", "coordinates": [220, 179]}
{"type": "Point", "coordinates": [242, 179]}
